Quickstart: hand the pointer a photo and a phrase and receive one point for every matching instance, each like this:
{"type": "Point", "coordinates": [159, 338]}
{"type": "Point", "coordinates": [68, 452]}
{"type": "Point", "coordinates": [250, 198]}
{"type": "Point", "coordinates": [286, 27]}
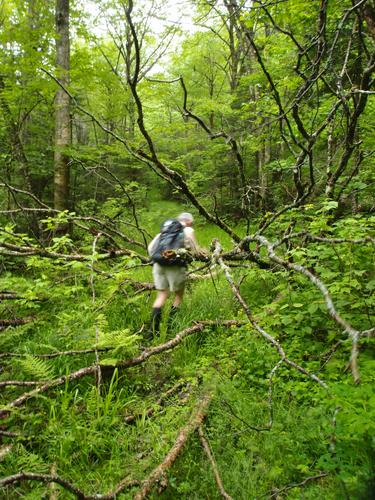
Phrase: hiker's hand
{"type": "Point", "coordinates": [203, 254]}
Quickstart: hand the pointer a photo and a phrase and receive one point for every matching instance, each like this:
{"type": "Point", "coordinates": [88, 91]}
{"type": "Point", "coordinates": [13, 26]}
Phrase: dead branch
{"type": "Point", "coordinates": [147, 353]}
{"type": "Point", "coordinates": [196, 419]}
{"type": "Point", "coordinates": [10, 434]}
{"type": "Point", "coordinates": [106, 224]}
{"type": "Point", "coordinates": [56, 354]}
{"type": "Point", "coordinates": [212, 461]}
{"type": "Point", "coordinates": [312, 237]}
{"type": "Point", "coordinates": [368, 333]}
{"type": "Point", "coordinates": [52, 478]}
{"type": "Point", "coordinates": [13, 189]}
{"type": "Point", "coordinates": [92, 370]}
{"type": "Point", "coordinates": [21, 383]}
{"type": "Point", "coordinates": [9, 296]}
{"type": "Point", "coordinates": [276, 492]}
{"type": "Point", "coordinates": [217, 257]}
{"type": "Point", "coordinates": [130, 419]}
{"type": "Point", "coordinates": [4, 323]}
{"type": "Point", "coordinates": [352, 332]}
{"type": "Point", "coordinates": [9, 249]}
{"type": "Point", "coordinates": [44, 478]}
{"type": "Point", "coordinates": [88, 370]}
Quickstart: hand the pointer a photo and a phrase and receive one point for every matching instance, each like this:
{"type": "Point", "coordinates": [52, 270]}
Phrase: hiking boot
{"type": "Point", "coordinates": [154, 326]}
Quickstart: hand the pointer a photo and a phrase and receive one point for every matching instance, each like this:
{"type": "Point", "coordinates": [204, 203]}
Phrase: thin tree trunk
{"type": "Point", "coordinates": [62, 108]}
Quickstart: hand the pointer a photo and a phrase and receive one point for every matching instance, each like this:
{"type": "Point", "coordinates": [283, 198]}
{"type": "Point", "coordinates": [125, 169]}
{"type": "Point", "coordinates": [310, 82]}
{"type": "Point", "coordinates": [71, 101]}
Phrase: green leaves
{"type": "Point", "coordinates": [36, 368]}
{"type": "Point", "coordinates": [121, 342]}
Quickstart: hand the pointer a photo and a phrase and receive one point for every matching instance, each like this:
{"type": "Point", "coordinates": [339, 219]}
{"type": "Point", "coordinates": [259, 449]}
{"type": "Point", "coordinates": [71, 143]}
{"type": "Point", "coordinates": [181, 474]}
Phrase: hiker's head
{"type": "Point", "coordinates": [186, 218]}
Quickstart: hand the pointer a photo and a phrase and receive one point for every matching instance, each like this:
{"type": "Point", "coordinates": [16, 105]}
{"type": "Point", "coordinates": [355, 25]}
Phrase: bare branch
{"type": "Point", "coordinates": [275, 494]}
{"type": "Point", "coordinates": [212, 461]}
{"type": "Point", "coordinates": [352, 332]}
{"type": "Point", "coordinates": [196, 419]}
{"type": "Point", "coordinates": [22, 251]}
{"type": "Point", "coordinates": [137, 360]}
{"type": "Point", "coordinates": [130, 419]}
{"type": "Point", "coordinates": [217, 257]}
{"type": "Point", "coordinates": [52, 478]}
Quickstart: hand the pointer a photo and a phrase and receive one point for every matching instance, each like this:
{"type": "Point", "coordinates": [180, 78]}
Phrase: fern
{"type": "Point", "coordinates": [121, 341]}
{"type": "Point", "coordinates": [37, 368]}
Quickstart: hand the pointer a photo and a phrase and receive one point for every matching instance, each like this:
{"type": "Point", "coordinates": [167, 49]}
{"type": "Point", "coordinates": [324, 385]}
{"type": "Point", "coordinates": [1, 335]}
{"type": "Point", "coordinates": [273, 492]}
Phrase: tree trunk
{"type": "Point", "coordinates": [62, 108]}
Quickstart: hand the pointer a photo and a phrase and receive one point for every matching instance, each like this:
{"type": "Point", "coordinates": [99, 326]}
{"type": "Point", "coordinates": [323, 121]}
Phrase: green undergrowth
{"type": "Point", "coordinates": [260, 448]}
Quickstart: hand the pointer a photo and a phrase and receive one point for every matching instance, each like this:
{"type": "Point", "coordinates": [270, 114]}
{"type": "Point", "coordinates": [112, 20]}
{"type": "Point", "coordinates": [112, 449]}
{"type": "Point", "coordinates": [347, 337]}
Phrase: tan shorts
{"type": "Point", "coordinates": [169, 277]}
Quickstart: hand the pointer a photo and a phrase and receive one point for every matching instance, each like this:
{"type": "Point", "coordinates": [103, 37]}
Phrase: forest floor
{"type": "Point", "coordinates": [273, 432]}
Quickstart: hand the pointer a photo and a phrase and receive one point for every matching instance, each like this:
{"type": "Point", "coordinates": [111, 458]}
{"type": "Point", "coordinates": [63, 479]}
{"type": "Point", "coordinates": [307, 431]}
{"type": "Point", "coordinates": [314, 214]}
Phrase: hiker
{"type": "Point", "coordinates": [170, 252]}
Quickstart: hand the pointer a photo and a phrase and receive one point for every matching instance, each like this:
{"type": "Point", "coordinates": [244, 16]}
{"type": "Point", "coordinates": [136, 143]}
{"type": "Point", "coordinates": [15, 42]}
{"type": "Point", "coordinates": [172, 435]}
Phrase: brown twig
{"type": "Point", "coordinates": [16, 321]}
{"type": "Point", "coordinates": [217, 257]}
{"type": "Point", "coordinates": [9, 296]}
{"type": "Point", "coordinates": [320, 239]}
{"type": "Point", "coordinates": [130, 419]}
{"type": "Point", "coordinates": [212, 461]}
{"type": "Point", "coordinates": [137, 360]}
{"type": "Point", "coordinates": [194, 422]}
{"type": "Point", "coordinates": [52, 478]}
{"type": "Point", "coordinates": [21, 383]}
{"type": "Point", "coordinates": [170, 344]}
{"type": "Point", "coordinates": [275, 494]}
{"type": "Point", "coordinates": [22, 251]}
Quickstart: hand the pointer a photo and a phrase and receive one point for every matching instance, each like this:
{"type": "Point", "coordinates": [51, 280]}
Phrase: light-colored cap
{"type": "Point", "coordinates": [185, 216]}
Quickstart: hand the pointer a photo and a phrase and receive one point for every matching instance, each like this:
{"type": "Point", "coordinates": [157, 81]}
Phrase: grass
{"type": "Point", "coordinates": [73, 424]}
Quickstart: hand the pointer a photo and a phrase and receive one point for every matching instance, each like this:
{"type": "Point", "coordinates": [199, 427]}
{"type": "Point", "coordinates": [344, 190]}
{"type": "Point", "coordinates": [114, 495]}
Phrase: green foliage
{"type": "Point", "coordinates": [78, 429]}
{"type": "Point", "coordinates": [36, 368]}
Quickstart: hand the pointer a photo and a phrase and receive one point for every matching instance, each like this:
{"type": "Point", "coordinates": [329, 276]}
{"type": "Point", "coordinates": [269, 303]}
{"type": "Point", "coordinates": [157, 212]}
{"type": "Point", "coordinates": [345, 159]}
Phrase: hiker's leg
{"type": "Point", "coordinates": [179, 295]}
{"type": "Point", "coordinates": [154, 325]}
{"type": "Point", "coordinates": [161, 285]}
{"type": "Point", "coordinates": [175, 308]}
{"type": "Point", "coordinates": [161, 298]}
{"type": "Point", "coordinates": [177, 278]}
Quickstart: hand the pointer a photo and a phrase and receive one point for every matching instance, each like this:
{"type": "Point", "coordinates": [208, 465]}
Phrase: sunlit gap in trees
{"type": "Point", "coordinates": [162, 16]}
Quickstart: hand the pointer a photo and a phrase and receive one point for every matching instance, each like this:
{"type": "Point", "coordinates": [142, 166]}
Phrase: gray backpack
{"type": "Point", "coordinates": [170, 241]}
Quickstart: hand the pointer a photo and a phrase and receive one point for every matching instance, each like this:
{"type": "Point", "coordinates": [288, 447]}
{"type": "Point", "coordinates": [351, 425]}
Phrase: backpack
{"type": "Point", "coordinates": [170, 241]}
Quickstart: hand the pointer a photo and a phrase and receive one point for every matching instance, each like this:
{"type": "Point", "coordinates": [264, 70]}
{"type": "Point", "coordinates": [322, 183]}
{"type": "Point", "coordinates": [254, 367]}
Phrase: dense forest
{"type": "Point", "coordinates": [257, 116]}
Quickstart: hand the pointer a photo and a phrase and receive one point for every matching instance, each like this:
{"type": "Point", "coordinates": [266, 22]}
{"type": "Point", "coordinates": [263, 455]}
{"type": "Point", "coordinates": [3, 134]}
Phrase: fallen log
{"type": "Point", "coordinates": [5, 323]}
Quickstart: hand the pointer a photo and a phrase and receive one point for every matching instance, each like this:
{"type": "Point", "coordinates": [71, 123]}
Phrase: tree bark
{"type": "Point", "coordinates": [62, 108]}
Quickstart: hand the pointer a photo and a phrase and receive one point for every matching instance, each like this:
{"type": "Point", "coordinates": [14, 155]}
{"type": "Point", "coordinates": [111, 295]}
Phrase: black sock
{"type": "Point", "coordinates": [155, 320]}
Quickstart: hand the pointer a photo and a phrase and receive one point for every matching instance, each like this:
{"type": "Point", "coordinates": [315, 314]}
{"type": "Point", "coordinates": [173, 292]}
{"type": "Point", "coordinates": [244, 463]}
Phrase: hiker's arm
{"type": "Point", "coordinates": [192, 243]}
